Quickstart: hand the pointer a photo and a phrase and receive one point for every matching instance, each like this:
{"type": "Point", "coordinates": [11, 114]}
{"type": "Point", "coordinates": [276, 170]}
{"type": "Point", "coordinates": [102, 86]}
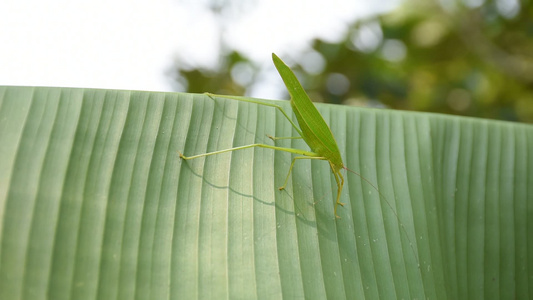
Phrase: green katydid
{"type": "Point", "coordinates": [313, 130]}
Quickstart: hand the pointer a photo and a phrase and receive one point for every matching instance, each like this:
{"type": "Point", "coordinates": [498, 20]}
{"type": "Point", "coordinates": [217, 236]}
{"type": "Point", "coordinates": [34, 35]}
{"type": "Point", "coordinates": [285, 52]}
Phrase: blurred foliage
{"type": "Point", "coordinates": [469, 57]}
{"type": "Point", "coordinates": [219, 82]}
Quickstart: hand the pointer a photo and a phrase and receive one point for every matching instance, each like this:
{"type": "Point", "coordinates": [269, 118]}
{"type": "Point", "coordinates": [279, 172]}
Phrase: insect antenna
{"type": "Point", "coordinates": [391, 208]}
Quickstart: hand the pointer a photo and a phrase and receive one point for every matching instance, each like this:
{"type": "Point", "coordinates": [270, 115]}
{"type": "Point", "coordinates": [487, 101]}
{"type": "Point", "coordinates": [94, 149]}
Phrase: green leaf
{"type": "Point", "coordinates": [95, 202]}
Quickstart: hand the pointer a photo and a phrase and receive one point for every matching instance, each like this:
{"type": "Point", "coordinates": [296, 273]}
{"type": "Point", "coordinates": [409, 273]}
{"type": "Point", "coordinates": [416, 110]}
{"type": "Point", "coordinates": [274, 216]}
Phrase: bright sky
{"type": "Point", "coordinates": [126, 44]}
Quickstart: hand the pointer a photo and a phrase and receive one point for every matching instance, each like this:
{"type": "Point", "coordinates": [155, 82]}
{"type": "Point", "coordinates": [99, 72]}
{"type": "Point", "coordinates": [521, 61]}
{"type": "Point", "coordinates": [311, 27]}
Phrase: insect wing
{"type": "Point", "coordinates": [316, 132]}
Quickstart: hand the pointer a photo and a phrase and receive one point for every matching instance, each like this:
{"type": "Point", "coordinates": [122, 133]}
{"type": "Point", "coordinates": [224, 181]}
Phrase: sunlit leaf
{"type": "Point", "coordinates": [95, 202]}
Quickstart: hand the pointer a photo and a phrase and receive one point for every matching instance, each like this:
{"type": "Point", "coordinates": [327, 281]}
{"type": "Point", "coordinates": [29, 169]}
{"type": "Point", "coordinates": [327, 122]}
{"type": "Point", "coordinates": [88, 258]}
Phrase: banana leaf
{"type": "Point", "coordinates": [95, 202]}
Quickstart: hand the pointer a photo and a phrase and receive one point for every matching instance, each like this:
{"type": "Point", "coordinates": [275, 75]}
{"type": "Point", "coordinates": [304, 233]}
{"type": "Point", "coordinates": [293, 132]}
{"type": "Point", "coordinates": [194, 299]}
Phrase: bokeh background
{"type": "Point", "coordinates": [464, 57]}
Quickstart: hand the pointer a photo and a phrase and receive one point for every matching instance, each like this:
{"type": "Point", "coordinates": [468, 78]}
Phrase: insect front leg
{"type": "Point", "coordinates": [340, 183]}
